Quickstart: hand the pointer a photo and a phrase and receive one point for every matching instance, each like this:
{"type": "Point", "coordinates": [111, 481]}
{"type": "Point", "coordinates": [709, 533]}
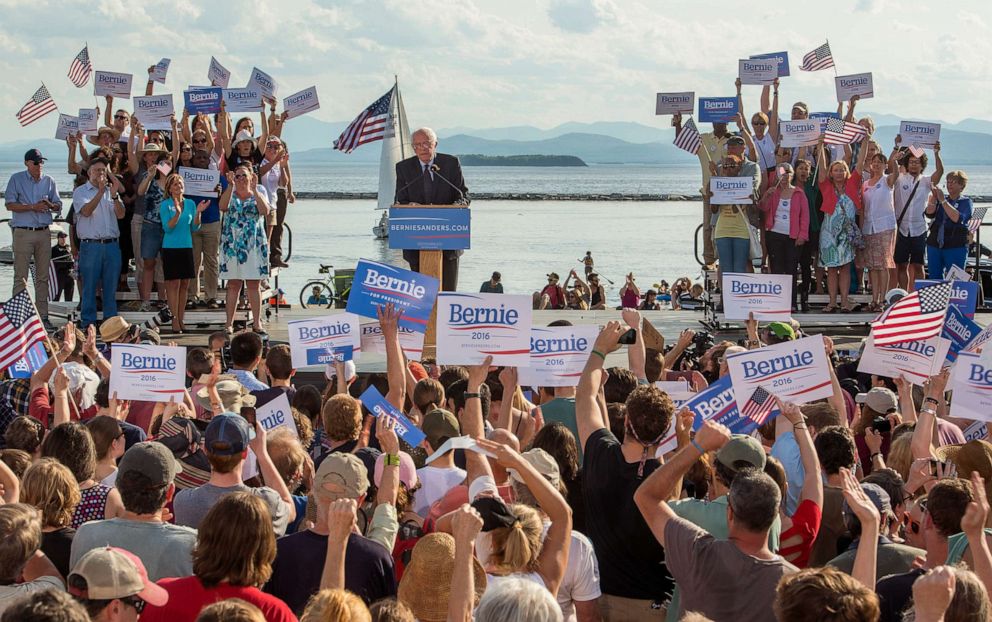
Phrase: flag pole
{"type": "Point", "coordinates": [58, 364]}
{"type": "Point", "coordinates": [832, 56]}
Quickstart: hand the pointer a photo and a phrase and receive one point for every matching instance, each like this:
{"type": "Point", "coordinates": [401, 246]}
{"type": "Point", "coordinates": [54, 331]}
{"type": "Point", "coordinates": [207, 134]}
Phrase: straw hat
{"type": "Point", "coordinates": [233, 394]}
{"type": "Point", "coordinates": [114, 328]}
{"type": "Point", "coordinates": [426, 583]}
{"type": "Point", "coordinates": [95, 140]}
{"type": "Point", "coordinates": [153, 148]}
{"type": "Point", "coordinates": [972, 456]}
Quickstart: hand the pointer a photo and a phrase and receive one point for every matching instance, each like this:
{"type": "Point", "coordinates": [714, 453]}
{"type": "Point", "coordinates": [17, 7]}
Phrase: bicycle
{"type": "Point", "coordinates": [324, 292]}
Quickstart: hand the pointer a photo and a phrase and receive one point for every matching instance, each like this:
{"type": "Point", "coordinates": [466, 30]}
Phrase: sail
{"type": "Point", "coordinates": [395, 147]}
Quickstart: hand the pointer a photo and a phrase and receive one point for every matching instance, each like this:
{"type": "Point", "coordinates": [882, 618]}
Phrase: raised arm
{"type": "Point", "coordinates": [812, 482]}
{"type": "Point", "coordinates": [863, 153]}
{"type": "Point", "coordinates": [389, 318]}
{"type": "Point", "coordinates": [773, 116]}
{"type": "Point", "coordinates": [636, 351]}
{"type": "Point", "coordinates": [893, 166]}
{"type": "Point", "coordinates": [264, 136]}
{"type": "Point", "coordinates": [821, 162]}
{"type": "Point", "coordinates": [926, 421]}
{"type": "Point", "coordinates": [150, 86]}
{"type": "Point", "coordinates": [850, 108]}
{"type": "Point", "coordinates": [224, 130]}
{"type": "Point", "coordinates": [867, 553]}
{"type": "Point", "coordinates": [476, 465]}
{"type": "Point", "coordinates": [938, 173]}
{"type": "Point", "coordinates": [589, 416]}
{"type": "Point", "coordinates": [269, 472]}
{"type": "Point", "coordinates": [341, 520]}
{"type": "Point", "coordinates": [972, 524]}
{"type": "Point", "coordinates": [466, 526]}
{"type": "Point", "coordinates": [684, 341]}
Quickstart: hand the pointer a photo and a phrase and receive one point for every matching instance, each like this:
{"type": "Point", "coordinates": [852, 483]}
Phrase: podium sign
{"type": "Point", "coordinates": [430, 228]}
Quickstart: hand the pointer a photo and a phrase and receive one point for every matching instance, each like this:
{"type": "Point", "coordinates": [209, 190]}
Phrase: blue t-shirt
{"type": "Point", "coordinates": [212, 213]}
{"type": "Point", "coordinates": [180, 236]}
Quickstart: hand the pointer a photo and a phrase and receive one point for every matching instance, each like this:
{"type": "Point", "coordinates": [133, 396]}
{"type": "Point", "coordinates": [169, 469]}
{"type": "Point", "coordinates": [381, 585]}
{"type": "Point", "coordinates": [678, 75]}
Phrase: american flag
{"type": "Point", "coordinates": [20, 328]}
{"type": "Point", "coordinates": [688, 138]}
{"type": "Point", "coordinates": [40, 104]}
{"type": "Point", "coordinates": [758, 406]}
{"type": "Point", "coordinates": [839, 132]}
{"type": "Point", "coordinates": [369, 126]}
{"type": "Point", "coordinates": [818, 59]}
{"type": "Point", "coordinates": [918, 316]}
{"type": "Point", "coordinates": [80, 69]}
{"type": "Point", "coordinates": [977, 216]}
{"type": "Point", "coordinates": [53, 279]}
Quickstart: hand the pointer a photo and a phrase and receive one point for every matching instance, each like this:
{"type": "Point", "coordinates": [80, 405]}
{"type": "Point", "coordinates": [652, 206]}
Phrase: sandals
{"type": "Point", "coordinates": [229, 330]}
{"type": "Point", "coordinates": [830, 309]}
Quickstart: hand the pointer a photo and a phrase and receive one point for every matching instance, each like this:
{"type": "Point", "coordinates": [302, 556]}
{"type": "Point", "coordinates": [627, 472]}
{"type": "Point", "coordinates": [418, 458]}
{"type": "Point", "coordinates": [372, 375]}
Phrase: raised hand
{"type": "Point", "coordinates": [932, 593]}
{"type": "Point", "coordinates": [341, 519]}
{"type": "Point", "coordinates": [389, 318]}
{"type": "Point", "coordinates": [609, 337]}
{"type": "Point", "coordinates": [477, 374]}
{"type": "Point", "coordinates": [858, 501]}
{"type": "Point", "coordinates": [466, 524]}
{"type": "Point", "coordinates": [385, 431]}
{"type": "Point", "coordinates": [712, 436]}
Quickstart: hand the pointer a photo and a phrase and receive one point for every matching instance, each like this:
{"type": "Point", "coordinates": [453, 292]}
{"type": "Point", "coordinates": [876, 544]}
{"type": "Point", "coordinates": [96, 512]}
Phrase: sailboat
{"type": "Point", "coordinates": [395, 147]}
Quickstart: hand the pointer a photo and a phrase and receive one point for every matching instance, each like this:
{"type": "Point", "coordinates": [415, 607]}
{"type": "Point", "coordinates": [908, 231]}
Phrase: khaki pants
{"type": "Point", "coordinates": [206, 249]}
{"type": "Point", "coordinates": [37, 244]}
{"type": "Point", "coordinates": [620, 609]}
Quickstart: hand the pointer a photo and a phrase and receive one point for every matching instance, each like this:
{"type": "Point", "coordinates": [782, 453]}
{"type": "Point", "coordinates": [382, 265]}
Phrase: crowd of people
{"type": "Point", "coordinates": [522, 503]}
{"type": "Point", "coordinates": [576, 294]}
{"type": "Point", "coordinates": [839, 218]}
{"type": "Point", "coordinates": [129, 203]}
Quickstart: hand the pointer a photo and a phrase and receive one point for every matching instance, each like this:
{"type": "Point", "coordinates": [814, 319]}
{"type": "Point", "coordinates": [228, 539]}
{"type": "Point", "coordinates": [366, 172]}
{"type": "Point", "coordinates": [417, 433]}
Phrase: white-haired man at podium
{"type": "Point", "coordinates": [431, 178]}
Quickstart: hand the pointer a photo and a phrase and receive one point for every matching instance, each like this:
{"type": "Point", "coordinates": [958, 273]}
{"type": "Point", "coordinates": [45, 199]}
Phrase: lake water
{"type": "Point", "coordinates": [524, 240]}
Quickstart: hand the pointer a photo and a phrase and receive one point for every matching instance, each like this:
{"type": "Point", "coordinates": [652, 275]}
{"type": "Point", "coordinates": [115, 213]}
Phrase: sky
{"type": "Point", "coordinates": [496, 63]}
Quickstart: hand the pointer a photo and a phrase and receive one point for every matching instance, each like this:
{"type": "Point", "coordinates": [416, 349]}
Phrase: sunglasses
{"type": "Point", "coordinates": [910, 524]}
{"type": "Point", "coordinates": [122, 117]}
{"type": "Point", "coordinates": [758, 123]}
{"type": "Point", "coordinates": [134, 601]}
{"type": "Point", "coordinates": [199, 140]}
{"type": "Point", "coordinates": [241, 176]}
{"type": "Point", "coordinates": [186, 149]}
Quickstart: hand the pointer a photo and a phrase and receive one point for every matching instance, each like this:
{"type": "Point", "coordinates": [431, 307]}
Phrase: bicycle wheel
{"type": "Point", "coordinates": [318, 291]}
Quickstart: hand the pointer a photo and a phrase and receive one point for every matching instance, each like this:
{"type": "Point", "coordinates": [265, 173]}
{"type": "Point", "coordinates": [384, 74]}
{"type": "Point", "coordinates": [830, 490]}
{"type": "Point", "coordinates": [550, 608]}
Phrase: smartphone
{"type": "Point", "coordinates": [248, 412]}
{"type": "Point", "coordinates": [945, 466]}
{"type": "Point", "coordinates": [881, 425]}
{"type": "Point", "coordinates": [628, 338]}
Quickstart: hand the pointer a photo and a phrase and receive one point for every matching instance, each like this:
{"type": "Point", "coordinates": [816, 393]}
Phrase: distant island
{"type": "Point", "coordinates": [475, 159]}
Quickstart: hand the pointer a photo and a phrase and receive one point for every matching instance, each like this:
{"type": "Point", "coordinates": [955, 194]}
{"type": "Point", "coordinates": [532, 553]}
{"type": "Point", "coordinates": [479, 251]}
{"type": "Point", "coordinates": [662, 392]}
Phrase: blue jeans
{"type": "Point", "coordinates": [99, 263]}
{"type": "Point", "coordinates": [939, 260]}
{"type": "Point", "coordinates": [734, 253]}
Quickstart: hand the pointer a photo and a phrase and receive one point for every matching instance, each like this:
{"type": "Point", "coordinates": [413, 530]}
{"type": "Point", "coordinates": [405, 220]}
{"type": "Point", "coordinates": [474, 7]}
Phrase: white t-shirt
{"type": "Point", "coordinates": [270, 181]}
{"type": "Point", "coordinates": [913, 223]}
{"type": "Point", "coordinates": [783, 216]}
{"type": "Point", "coordinates": [11, 593]}
{"type": "Point", "coordinates": [880, 213]}
{"type": "Point", "coordinates": [766, 151]}
{"type": "Point", "coordinates": [580, 582]}
{"type": "Point", "coordinates": [435, 482]}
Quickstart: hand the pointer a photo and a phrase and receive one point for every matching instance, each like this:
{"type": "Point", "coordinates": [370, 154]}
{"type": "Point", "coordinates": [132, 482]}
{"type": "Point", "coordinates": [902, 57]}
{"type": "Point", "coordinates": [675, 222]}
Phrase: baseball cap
{"type": "Point", "coordinates": [782, 330]}
{"type": "Point", "coordinates": [800, 106]}
{"type": "Point", "coordinates": [553, 275]}
{"type": "Point", "coordinates": [34, 155]}
{"type": "Point", "coordinates": [543, 463]}
{"type": "Point", "coordinates": [742, 448]}
{"type": "Point", "coordinates": [735, 140]}
{"type": "Point", "coordinates": [879, 498]}
{"type": "Point", "coordinates": [408, 470]}
{"type": "Point", "coordinates": [227, 434]}
{"type": "Point", "coordinates": [153, 460]}
{"type": "Point", "coordinates": [343, 471]}
{"type": "Point", "coordinates": [496, 276]}
{"type": "Point", "coordinates": [111, 572]}
{"type": "Point", "coordinates": [439, 425]}
{"type": "Point", "coordinates": [895, 295]}
{"type": "Point", "coordinates": [62, 234]}
{"type": "Point", "coordinates": [879, 399]}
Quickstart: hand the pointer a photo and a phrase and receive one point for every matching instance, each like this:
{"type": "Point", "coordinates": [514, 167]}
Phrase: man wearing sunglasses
{"type": "Point", "coordinates": [112, 584]}
{"type": "Point", "coordinates": [33, 199]}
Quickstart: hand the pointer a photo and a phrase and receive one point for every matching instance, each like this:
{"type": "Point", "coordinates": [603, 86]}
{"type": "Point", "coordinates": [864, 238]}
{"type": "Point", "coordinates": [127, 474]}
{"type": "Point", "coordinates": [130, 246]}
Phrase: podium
{"type": "Point", "coordinates": [431, 264]}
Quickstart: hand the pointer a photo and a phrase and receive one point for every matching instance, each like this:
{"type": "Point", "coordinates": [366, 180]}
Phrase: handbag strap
{"type": "Point", "coordinates": [908, 201]}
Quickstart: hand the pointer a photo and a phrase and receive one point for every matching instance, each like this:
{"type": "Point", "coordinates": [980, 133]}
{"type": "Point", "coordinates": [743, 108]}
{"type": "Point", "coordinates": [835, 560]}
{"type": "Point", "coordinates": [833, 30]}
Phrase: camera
{"type": "Point", "coordinates": [881, 425]}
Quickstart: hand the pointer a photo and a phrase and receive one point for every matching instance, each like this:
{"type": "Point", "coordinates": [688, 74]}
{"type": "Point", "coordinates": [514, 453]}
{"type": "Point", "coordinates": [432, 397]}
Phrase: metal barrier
{"type": "Point", "coordinates": [695, 245]}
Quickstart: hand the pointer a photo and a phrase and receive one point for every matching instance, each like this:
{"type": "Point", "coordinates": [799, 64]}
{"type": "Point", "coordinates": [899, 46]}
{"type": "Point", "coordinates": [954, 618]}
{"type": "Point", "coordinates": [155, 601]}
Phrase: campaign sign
{"type": "Point", "coordinates": [957, 273]}
{"type": "Point", "coordinates": [959, 330]}
{"type": "Point", "coordinates": [757, 70]}
{"type": "Point", "coordinates": [799, 133]}
{"type": "Point", "coordinates": [314, 338]}
{"type": "Point", "coordinates": [88, 120]}
{"type": "Point", "coordinates": [964, 294]}
{"type": "Point", "coordinates": [822, 117]}
{"type": "Point", "coordinates": [411, 341]}
{"type": "Point", "coordinates": [330, 355]}
{"type": "Point", "coordinates": [276, 413]}
{"type": "Point", "coordinates": [670, 103]}
{"type": "Point", "coordinates": [768, 296]}
{"type": "Point", "coordinates": [916, 360]}
{"type": "Point", "coordinates": [30, 363]}
{"type": "Point", "coordinates": [854, 84]}
{"type": "Point", "coordinates": [154, 111]}
{"type": "Point", "coordinates": [782, 58]}
{"type": "Point", "coordinates": [795, 371]}
{"type": "Point", "coordinates": [558, 355]}
{"type": "Point", "coordinates": [425, 228]}
{"type": "Point", "coordinates": [717, 403]}
{"type": "Point", "coordinates": [378, 284]}
{"type": "Point", "coordinates": [248, 99]}
{"type": "Point", "coordinates": [977, 344]}
{"type": "Point", "coordinates": [977, 431]}
{"type": "Point", "coordinates": [971, 382]}
{"type": "Point", "coordinates": [717, 109]}
{"type": "Point", "coordinates": [206, 101]}
{"type": "Point", "coordinates": [378, 406]}
{"type": "Point", "coordinates": [301, 103]}
{"type": "Point", "coordinates": [67, 125]}
{"type": "Point", "coordinates": [919, 133]}
{"type": "Point", "coordinates": [113, 84]}
{"type": "Point", "coordinates": [264, 82]}
{"type": "Point", "coordinates": [200, 182]}
{"type": "Point", "coordinates": [473, 326]}
{"type": "Point", "coordinates": [217, 74]}
{"type": "Point", "coordinates": [731, 190]}
{"type": "Point", "coordinates": [147, 373]}
{"type": "Point", "coordinates": [160, 71]}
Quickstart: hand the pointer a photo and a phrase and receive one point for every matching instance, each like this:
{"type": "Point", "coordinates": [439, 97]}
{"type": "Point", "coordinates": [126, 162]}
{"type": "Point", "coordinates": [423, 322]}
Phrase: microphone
{"type": "Point", "coordinates": [412, 181]}
{"type": "Point", "coordinates": [437, 171]}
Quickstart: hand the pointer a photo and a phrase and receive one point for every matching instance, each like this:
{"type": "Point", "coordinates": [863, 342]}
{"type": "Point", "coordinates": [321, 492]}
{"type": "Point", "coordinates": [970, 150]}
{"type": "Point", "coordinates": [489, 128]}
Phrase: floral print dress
{"type": "Point", "coordinates": [836, 247]}
{"type": "Point", "coordinates": [244, 250]}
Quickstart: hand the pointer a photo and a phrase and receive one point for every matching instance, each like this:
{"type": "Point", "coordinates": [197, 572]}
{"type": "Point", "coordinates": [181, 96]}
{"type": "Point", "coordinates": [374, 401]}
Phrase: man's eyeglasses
{"type": "Point", "coordinates": [422, 145]}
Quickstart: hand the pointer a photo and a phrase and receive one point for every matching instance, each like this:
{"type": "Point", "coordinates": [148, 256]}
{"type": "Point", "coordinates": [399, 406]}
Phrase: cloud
{"type": "Point", "coordinates": [580, 16]}
{"type": "Point", "coordinates": [870, 6]}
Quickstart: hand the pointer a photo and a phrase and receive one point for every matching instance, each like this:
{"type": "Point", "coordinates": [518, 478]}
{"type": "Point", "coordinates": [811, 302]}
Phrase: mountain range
{"type": "Point", "coordinates": [966, 142]}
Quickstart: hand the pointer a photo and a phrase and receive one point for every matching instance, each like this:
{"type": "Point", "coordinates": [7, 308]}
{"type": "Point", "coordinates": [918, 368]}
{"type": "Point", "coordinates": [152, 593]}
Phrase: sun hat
{"type": "Point", "coordinates": [114, 328]}
{"type": "Point", "coordinates": [153, 148]}
{"type": "Point", "coordinates": [244, 135]}
{"type": "Point", "coordinates": [426, 584]}
{"type": "Point", "coordinates": [95, 140]}
{"type": "Point", "coordinates": [111, 572]}
{"type": "Point", "coordinates": [233, 394]}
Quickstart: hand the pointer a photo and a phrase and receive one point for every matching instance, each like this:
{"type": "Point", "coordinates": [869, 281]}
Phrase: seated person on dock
{"type": "Point", "coordinates": [317, 297]}
{"type": "Point", "coordinates": [552, 296]}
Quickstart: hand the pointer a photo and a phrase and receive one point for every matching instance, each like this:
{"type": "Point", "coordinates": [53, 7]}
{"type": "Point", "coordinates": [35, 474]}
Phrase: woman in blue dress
{"type": "Point", "coordinates": [244, 250]}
